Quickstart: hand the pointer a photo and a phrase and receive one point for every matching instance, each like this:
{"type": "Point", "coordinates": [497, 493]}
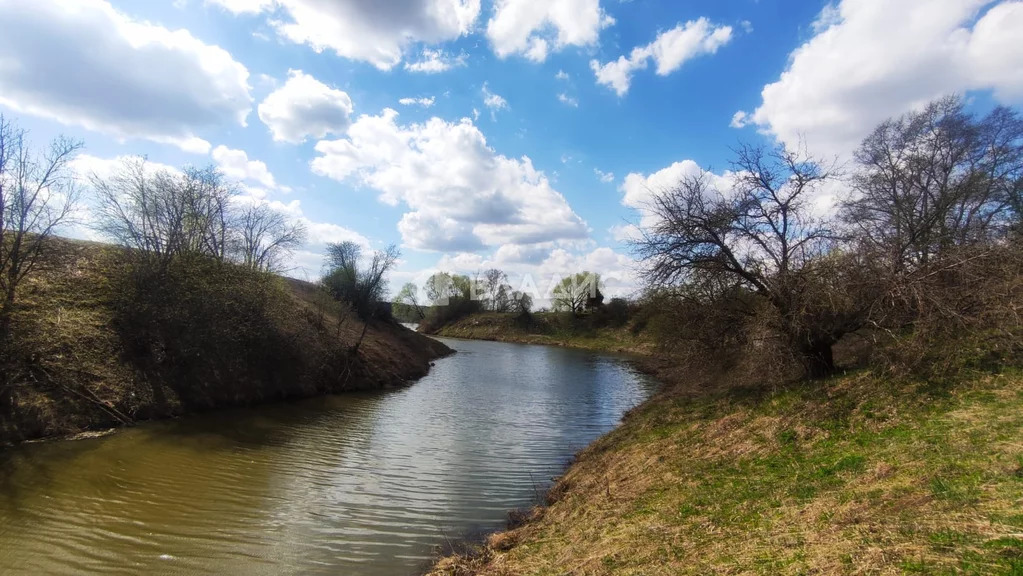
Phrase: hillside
{"type": "Point", "coordinates": [80, 361]}
{"type": "Point", "coordinates": [856, 475]}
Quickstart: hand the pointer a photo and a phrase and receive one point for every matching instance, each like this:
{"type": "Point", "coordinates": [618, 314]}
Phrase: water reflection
{"type": "Point", "coordinates": [358, 484]}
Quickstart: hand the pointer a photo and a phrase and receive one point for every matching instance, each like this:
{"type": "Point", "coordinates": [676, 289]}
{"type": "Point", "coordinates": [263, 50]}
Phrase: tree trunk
{"type": "Point", "coordinates": [6, 312]}
{"type": "Point", "coordinates": [819, 359]}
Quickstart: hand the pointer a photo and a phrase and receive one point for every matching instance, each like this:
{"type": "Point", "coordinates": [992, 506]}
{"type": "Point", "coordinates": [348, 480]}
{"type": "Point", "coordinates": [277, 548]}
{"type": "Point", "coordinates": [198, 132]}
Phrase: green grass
{"type": "Point", "coordinates": [854, 475]}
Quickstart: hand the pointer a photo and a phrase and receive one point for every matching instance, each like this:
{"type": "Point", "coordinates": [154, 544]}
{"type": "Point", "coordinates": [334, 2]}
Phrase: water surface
{"type": "Point", "coordinates": [355, 484]}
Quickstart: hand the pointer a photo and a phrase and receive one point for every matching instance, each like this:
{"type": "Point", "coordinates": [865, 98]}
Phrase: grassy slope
{"type": "Point", "coordinates": [548, 328]}
{"type": "Point", "coordinates": [66, 320]}
{"type": "Point", "coordinates": [855, 475]}
{"type": "Point", "coordinates": [851, 476]}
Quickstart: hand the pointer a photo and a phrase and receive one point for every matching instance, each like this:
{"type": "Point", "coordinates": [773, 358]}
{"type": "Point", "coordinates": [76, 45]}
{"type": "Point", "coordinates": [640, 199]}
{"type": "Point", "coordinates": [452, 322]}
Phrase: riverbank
{"type": "Point", "coordinates": [852, 475]}
{"type": "Point", "coordinates": [79, 363]}
{"type": "Point", "coordinates": [855, 474]}
{"type": "Point", "coordinates": [552, 329]}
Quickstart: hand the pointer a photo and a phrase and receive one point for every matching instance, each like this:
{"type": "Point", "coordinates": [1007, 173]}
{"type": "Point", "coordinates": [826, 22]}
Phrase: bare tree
{"type": "Point", "coordinates": [38, 193]}
{"type": "Point", "coordinates": [162, 215]}
{"type": "Point", "coordinates": [759, 236]}
{"type": "Point", "coordinates": [362, 287]}
{"type": "Point", "coordinates": [936, 179]}
{"type": "Point", "coordinates": [380, 264]}
{"type": "Point", "coordinates": [265, 237]}
{"type": "Point", "coordinates": [207, 199]}
{"type": "Point", "coordinates": [137, 210]}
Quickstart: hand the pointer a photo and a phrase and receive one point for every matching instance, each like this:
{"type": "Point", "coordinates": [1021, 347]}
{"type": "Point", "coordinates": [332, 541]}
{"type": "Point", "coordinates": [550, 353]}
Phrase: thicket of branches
{"type": "Point", "coordinates": [922, 256]}
{"type": "Point", "coordinates": [362, 285]}
{"type": "Point", "coordinates": [163, 216]}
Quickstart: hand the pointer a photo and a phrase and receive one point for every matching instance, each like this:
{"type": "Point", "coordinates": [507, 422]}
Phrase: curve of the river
{"type": "Point", "coordinates": [354, 484]}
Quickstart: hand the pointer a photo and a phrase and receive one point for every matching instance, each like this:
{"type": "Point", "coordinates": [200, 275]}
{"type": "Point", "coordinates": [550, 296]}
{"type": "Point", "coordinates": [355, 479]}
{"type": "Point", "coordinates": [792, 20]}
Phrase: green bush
{"type": "Point", "coordinates": [456, 308]}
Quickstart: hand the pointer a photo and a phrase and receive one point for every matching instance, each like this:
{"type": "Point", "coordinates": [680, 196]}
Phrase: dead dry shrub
{"type": "Point", "coordinates": [963, 313]}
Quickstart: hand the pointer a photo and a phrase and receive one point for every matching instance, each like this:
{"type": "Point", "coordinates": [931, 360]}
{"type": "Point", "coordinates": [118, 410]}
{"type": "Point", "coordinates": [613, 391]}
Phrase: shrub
{"type": "Point", "coordinates": [614, 314]}
{"type": "Point", "coordinates": [362, 287]}
{"type": "Point", "coordinates": [965, 312]}
{"type": "Point", "coordinates": [236, 344]}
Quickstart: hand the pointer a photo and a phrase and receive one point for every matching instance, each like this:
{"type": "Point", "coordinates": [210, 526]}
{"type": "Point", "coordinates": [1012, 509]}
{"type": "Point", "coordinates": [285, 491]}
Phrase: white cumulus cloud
{"type": "Point", "coordinates": [304, 108]}
{"type": "Point", "coordinates": [235, 164]}
{"type": "Point", "coordinates": [81, 62]}
{"type": "Point", "coordinates": [638, 190]}
{"type": "Point", "coordinates": [873, 59]}
{"type": "Point", "coordinates": [740, 119]}
{"type": "Point", "coordinates": [367, 30]}
{"type": "Point", "coordinates": [670, 50]}
{"type": "Point", "coordinates": [462, 195]}
{"type": "Point", "coordinates": [534, 28]}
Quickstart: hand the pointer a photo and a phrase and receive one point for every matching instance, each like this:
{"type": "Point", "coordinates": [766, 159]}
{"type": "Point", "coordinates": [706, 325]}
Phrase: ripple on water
{"type": "Point", "coordinates": [358, 484]}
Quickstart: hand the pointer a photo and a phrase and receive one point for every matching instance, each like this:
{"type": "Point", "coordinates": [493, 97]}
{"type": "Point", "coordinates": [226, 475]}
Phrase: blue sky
{"type": "Point", "coordinates": [521, 134]}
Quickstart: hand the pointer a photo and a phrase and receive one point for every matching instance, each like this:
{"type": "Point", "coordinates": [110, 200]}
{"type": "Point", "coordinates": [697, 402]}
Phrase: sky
{"type": "Point", "coordinates": [519, 134]}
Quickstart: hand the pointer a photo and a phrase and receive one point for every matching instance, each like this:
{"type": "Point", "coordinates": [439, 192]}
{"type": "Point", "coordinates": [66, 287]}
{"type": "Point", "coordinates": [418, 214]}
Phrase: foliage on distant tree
{"type": "Point", "coordinates": [574, 291]}
{"type": "Point", "coordinates": [451, 296]}
{"type": "Point", "coordinates": [407, 303]}
{"type": "Point", "coordinates": [521, 302]}
{"type": "Point", "coordinates": [443, 287]}
{"type": "Point", "coordinates": [493, 289]}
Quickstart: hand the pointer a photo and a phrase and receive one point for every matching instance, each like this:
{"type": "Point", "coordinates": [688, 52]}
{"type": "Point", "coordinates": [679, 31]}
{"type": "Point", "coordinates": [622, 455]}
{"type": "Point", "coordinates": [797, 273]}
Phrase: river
{"type": "Point", "coordinates": [353, 484]}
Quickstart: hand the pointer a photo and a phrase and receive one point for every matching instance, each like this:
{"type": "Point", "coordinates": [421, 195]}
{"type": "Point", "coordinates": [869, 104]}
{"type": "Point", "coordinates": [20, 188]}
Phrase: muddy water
{"type": "Point", "coordinates": [357, 484]}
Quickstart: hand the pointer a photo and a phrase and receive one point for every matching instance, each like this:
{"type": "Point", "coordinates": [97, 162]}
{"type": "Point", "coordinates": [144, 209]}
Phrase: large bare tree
{"type": "Point", "coordinates": [936, 179]}
{"type": "Point", "coordinates": [759, 235]}
{"type": "Point", "coordinates": [38, 193]}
